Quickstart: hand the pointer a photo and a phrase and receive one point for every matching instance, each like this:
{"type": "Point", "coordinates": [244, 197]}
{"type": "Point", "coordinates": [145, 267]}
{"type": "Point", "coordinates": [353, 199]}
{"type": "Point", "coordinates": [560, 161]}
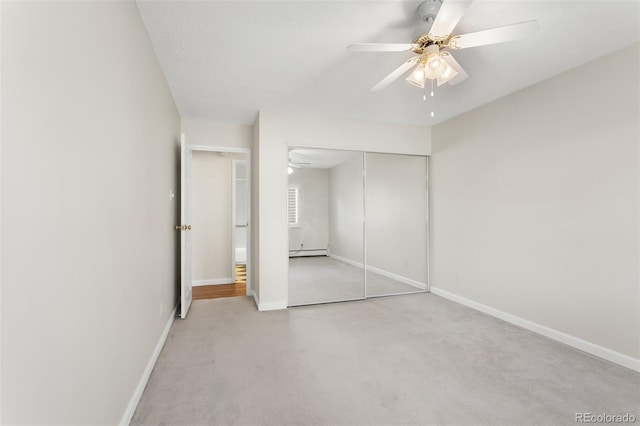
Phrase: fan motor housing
{"type": "Point", "coordinates": [424, 40]}
{"type": "Point", "coordinates": [429, 9]}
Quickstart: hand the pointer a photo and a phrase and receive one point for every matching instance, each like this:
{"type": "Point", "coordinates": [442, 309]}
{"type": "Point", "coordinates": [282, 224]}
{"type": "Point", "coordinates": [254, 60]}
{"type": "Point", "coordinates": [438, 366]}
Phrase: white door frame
{"type": "Point", "coordinates": [247, 152]}
{"type": "Point", "coordinates": [233, 220]}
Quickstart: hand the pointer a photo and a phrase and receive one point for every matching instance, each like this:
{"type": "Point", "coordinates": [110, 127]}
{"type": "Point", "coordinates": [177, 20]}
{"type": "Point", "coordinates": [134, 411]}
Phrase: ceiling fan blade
{"type": "Point", "coordinates": [381, 47]}
{"type": "Point", "coordinates": [494, 35]}
{"type": "Point", "coordinates": [461, 76]}
{"type": "Point", "coordinates": [395, 74]}
{"type": "Point", "coordinates": [448, 17]}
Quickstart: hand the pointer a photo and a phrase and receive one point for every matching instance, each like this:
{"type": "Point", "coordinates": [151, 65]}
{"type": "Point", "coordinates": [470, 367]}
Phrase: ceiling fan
{"type": "Point", "coordinates": [298, 165]}
{"type": "Point", "coordinates": [295, 164]}
{"type": "Point", "coordinates": [432, 60]}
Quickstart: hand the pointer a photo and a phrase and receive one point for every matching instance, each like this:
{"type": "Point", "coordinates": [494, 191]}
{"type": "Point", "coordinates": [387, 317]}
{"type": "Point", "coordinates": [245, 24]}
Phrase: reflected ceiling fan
{"type": "Point", "coordinates": [432, 60]}
{"type": "Point", "coordinates": [295, 164]}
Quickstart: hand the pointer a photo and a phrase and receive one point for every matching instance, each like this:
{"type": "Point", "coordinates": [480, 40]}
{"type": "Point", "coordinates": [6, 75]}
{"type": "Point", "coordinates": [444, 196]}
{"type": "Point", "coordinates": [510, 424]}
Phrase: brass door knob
{"type": "Point", "coordinates": [183, 228]}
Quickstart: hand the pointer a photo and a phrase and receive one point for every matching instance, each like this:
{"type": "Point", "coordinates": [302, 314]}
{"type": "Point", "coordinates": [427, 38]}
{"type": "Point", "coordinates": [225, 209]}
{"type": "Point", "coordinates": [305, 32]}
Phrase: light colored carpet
{"type": "Point", "coordinates": [405, 360]}
{"type": "Point", "coordinates": [324, 279]}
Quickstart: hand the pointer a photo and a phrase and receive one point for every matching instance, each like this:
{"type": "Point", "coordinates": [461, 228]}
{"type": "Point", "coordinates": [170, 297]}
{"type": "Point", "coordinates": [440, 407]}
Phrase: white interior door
{"type": "Point", "coordinates": [185, 227]}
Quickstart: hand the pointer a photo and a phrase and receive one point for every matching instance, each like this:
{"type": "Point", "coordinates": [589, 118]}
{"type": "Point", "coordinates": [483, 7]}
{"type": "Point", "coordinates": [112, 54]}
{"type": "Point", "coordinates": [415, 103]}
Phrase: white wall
{"type": "Point", "coordinates": [276, 131]}
{"type": "Point", "coordinates": [89, 153]}
{"type": "Point", "coordinates": [213, 133]}
{"type": "Point", "coordinates": [396, 215]}
{"type": "Point", "coordinates": [536, 203]}
{"type": "Point", "coordinates": [211, 217]}
{"type": "Point", "coordinates": [313, 209]}
{"type": "Point", "coordinates": [346, 210]}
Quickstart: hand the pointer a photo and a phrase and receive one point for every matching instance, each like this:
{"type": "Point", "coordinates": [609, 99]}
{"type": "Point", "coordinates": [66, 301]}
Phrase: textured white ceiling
{"type": "Point", "coordinates": [226, 60]}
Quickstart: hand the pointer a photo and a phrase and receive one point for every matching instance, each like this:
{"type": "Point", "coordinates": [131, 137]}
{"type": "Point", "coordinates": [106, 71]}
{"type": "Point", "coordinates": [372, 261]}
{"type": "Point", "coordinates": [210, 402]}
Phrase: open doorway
{"type": "Point", "coordinates": [220, 197]}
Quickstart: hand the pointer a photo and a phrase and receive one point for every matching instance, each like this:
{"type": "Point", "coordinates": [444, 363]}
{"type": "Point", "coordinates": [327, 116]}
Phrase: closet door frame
{"type": "Point", "coordinates": [366, 294]}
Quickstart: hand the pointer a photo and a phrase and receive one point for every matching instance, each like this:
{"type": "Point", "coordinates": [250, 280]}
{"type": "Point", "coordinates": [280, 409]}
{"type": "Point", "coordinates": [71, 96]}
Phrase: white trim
{"type": "Point", "coordinates": [272, 306]}
{"type": "Point", "coordinates": [345, 260]}
{"type": "Point", "coordinates": [214, 281]}
{"type": "Point", "coordinates": [249, 230]}
{"type": "Point", "coordinates": [428, 199]}
{"type": "Point", "coordinates": [253, 294]}
{"type": "Point", "coordinates": [396, 277]}
{"type": "Point", "coordinates": [364, 220]}
{"type": "Point", "coordinates": [233, 219]}
{"type": "Point", "coordinates": [391, 275]}
{"type": "Point", "coordinates": [137, 393]}
{"type": "Point", "coordinates": [303, 253]}
{"type": "Point", "coordinates": [559, 336]}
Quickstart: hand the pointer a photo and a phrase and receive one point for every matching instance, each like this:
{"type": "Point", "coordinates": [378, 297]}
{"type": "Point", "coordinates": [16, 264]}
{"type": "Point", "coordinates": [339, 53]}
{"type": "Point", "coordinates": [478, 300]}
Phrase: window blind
{"type": "Point", "coordinates": [292, 205]}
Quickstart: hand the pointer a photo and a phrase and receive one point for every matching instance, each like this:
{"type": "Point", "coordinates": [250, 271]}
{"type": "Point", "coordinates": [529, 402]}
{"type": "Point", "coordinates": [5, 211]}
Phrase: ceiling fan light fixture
{"type": "Point", "coordinates": [434, 61]}
{"type": "Point", "coordinates": [417, 76]}
{"type": "Point", "coordinates": [447, 74]}
{"type": "Point", "coordinates": [432, 73]}
{"type": "Point", "coordinates": [435, 67]}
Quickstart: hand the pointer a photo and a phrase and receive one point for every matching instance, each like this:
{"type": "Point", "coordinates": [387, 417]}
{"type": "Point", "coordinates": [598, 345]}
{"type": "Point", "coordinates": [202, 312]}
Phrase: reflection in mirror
{"type": "Point", "coordinates": [396, 216]}
{"type": "Point", "coordinates": [326, 229]}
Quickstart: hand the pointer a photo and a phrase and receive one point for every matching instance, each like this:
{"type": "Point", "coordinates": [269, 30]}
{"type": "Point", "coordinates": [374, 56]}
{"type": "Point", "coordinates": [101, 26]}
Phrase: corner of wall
{"type": "Point", "coordinates": [255, 210]}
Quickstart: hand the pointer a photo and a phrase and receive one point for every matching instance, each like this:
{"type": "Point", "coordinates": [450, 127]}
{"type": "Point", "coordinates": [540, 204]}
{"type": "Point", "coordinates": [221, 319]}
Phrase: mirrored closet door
{"type": "Point", "coordinates": [325, 212]}
{"type": "Point", "coordinates": [396, 224]}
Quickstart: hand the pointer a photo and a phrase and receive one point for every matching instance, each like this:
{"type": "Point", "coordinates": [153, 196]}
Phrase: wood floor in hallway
{"type": "Point", "coordinates": [239, 288]}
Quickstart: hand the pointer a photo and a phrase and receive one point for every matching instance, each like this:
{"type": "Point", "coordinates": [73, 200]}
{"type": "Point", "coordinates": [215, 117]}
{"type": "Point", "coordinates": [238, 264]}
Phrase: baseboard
{"type": "Point", "coordinates": [399, 278]}
{"type": "Point", "coordinates": [214, 281]}
{"type": "Point", "coordinates": [304, 253]}
{"type": "Point", "coordinates": [345, 260]}
{"type": "Point", "coordinates": [137, 394]}
{"type": "Point", "coordinates": [391, 275]}
{"type": "Point", "coordinates": [567, 339]}
{"type": "Point", "coordinates": [255, 299]}
{"type": "Point", "coordinates": [273, 306]}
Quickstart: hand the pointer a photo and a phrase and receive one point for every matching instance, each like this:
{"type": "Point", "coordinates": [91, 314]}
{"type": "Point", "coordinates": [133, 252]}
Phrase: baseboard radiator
{"type": "Point", "coordinates": [308, 252]}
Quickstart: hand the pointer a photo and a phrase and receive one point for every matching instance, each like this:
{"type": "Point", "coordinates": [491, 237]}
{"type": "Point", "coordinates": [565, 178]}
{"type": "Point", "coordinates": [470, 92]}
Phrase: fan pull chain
{"type": "Point", "coordinates": [432, 95]}
{"type": "Point", "coordinates": [424, 86]}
